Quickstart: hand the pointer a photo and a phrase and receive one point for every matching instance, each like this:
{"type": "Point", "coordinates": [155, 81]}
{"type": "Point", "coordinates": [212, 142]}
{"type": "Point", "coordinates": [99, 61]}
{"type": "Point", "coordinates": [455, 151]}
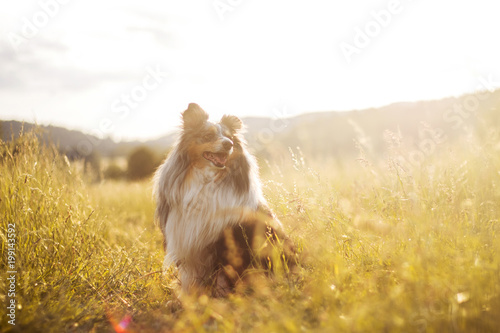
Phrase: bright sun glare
{"type": "Point", "coordinates": [85, 64]}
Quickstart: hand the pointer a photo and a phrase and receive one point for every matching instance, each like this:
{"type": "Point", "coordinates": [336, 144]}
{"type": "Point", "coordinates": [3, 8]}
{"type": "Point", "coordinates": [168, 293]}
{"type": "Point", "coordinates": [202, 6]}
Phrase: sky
{"type": "Point", "coordinates": [125, 69]}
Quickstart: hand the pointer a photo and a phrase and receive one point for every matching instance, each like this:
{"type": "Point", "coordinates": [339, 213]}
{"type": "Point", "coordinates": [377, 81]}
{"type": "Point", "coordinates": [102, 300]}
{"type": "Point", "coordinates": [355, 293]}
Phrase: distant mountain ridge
{"type": "Point", "coordinates": [79, 143]}
{"type": "Point", "coordinates": [320, 134]}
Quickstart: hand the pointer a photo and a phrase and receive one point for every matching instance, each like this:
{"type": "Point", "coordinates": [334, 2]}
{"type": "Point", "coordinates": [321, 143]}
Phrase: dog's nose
{"type": "Point", "coordinates": [227, 144]}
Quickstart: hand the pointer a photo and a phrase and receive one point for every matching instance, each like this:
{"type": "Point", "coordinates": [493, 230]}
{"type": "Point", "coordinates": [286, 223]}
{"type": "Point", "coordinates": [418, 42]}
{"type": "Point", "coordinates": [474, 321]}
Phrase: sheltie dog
{"type": "Point", "coordinates": [217, 227]}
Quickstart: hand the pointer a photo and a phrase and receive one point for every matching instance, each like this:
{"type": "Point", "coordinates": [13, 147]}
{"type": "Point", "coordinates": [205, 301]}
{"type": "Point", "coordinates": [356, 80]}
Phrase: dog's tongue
{"type": "Point", "coordinates": [218, 159]}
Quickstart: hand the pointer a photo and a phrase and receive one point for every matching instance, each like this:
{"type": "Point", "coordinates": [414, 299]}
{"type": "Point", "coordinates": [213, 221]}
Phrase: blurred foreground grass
{"type": "Point", "coordinates": [388, 248]}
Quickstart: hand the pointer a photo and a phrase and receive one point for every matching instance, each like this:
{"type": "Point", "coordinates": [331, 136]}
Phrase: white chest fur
{"type": "Point", "coordinates": [206, 209]}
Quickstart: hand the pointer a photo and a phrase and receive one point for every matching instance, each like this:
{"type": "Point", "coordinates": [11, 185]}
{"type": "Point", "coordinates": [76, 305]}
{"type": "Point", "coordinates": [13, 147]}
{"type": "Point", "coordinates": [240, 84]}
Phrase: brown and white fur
{"type": "Point", "coordinates": [207, 189]}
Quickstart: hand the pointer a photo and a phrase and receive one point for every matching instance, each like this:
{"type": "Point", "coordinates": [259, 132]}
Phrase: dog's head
{"type": "Point", "coordinates": [208, 144]}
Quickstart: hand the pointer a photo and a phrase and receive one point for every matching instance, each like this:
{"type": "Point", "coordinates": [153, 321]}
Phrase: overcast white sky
{"type": "Point", "coordinates": [127, 68]}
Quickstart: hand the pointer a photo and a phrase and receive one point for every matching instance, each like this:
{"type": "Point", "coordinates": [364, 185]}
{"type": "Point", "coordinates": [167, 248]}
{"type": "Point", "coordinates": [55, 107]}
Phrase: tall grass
{"type": "Point", "coordinates": [386, 247]}
{"type": "Point", "coordinates": [78, 260]}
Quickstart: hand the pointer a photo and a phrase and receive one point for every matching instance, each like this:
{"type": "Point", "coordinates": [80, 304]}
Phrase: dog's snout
{"type": "Point", "coordinates": [227, 144]}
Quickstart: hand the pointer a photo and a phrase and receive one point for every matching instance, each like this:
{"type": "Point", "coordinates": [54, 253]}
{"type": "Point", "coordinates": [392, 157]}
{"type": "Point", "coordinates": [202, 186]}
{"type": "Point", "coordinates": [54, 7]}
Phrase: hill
{"type": "Point", "coordinates": [321, 134]}
{"type": "Point", "coordinates": [331, 134]}
{"type": "Point", "coordinates": [79, 144]}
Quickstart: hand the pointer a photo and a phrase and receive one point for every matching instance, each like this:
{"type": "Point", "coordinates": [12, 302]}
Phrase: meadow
{"type": "Point", "coordinates": [387, 246]}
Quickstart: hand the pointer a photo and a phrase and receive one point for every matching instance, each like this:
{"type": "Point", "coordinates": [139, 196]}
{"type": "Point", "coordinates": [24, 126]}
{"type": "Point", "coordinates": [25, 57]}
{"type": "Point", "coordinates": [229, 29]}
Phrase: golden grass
{"type": "Point", "coordinates": [387, 248]}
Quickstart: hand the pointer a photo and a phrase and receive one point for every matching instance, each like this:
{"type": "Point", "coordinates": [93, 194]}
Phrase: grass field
{"type": "Point", "coordinates": [387, 247]}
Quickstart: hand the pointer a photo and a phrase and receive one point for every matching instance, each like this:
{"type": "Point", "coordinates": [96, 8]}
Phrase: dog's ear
{"type": "Point", "coordinates": [232, 122]}
{"type": "Point", "coordinates": [194, 116]}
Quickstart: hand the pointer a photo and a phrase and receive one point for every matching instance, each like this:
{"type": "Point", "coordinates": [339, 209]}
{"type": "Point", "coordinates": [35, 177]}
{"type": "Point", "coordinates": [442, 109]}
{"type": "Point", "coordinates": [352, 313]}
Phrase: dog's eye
{"type": "Point", "coordinates": [208, 137]}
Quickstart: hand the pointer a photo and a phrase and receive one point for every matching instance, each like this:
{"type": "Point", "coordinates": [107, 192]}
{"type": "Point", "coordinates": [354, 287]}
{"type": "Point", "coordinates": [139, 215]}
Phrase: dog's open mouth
{"type": "Point", "coordinates": [217, 159]}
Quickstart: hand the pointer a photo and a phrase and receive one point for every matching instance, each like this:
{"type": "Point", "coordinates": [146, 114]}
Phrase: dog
{"type": "Point", "coordinates": [217, 227]}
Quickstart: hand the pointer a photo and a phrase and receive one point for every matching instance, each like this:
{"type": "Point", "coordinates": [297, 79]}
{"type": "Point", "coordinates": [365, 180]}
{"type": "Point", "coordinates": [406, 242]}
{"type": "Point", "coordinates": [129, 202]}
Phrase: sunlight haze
{"type": "Point", "coordinates": [126, 69]}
